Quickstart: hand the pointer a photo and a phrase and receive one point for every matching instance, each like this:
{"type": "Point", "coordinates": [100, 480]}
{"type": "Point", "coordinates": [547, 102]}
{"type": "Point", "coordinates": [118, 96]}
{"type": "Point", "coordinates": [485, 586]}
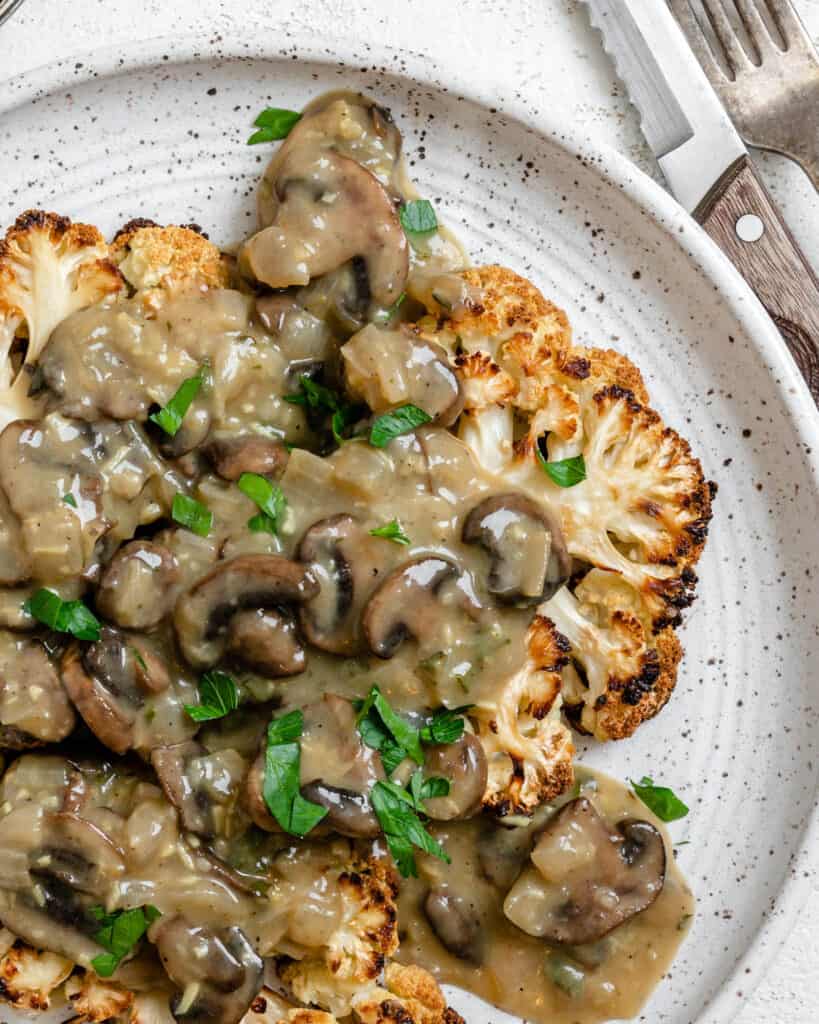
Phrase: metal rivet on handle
{"type": "Point", "coordinates": [749, 228]}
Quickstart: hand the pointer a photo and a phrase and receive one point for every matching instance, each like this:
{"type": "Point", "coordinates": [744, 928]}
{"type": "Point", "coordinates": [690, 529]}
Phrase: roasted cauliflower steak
{"type": "Point", "coordinates": [635, 526]}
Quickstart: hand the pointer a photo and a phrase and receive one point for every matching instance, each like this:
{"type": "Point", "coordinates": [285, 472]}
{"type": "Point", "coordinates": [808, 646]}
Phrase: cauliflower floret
{"type": "Point", "coordinates": [29, 976]}
{"type": "Point", "coordinates": [161, 261]}
{"type": "Point", "coordinates": [644, 507]}
{"type": "Point", "coordinates": [151, 1008]}
{"type": "Point", "coordinates": [642, 512]}
{"type": "Point", "coordinates": [94, 999]}
{"type": "Point", "coordinates": [364, 936]}
{"type": "Point", "coordinates": [411, 996]}
{"type": "Point", "coordinates": [49, 268]}
{"type": "Point", "coordinates": [619, 674]}
{"type": "Point", "coordinates": [528, 748]}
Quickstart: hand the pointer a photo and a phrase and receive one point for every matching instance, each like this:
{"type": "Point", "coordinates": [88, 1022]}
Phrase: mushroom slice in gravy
{"type": "Point", "coordinates": [587, 878]}
{"type": "Point", "coordinates": [344, 559]}
{"type": "Point", "coordinates": [528, 556]}
{"type": "Point", "coordinates": [34, 708]}
{"type": "Point", "coordinates": [329, 210]}
{"type": "Point", "coordinates": [203, 614]}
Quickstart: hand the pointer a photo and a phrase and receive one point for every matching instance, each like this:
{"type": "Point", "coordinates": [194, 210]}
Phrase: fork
{"type": "Point", "coordinates": [774, 103]}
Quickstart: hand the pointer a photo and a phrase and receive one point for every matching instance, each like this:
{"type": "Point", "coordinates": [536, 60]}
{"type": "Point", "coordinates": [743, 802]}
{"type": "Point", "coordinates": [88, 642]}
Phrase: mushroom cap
{"type": "Point", "coordinates": [344, 559]}
{"type": "Point", "coordinates": [328, 210]}
{"type": "Point", "coordinates": [344, 121]}
{"type": "Point", "coordinates": [266, 641]}
{"type": "Point", "coordinates": [587, 878]}
{"type": "Point", "coordinates": [34, 707]}
{"type": "Point", "coordinates": [135, 587]}
{"type": "Point", "coordinates": [338, 771]}
{"type": "Point", "coordinates": [203, 613]}
{"type": "Point", "coordinates": [404, 603]}
{"type": "Point", "coordinates": [464, 764]}
{"type": "Point", "coordinates": [217, 970]}
{"type": "Point", "coordinates": [199, 784]}
{"type": "Point", "coordinates": [454, 922]}
{"type": "Point", "coordinates": [108, 683]}
{"type": "Point", "coordinates": [529, 558]}
{"type": "Point", "coordinates": [247, 453]}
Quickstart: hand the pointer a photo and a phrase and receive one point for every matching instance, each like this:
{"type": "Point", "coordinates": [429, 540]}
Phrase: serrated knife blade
{"type": "Point", "coordinates": [683, 121]}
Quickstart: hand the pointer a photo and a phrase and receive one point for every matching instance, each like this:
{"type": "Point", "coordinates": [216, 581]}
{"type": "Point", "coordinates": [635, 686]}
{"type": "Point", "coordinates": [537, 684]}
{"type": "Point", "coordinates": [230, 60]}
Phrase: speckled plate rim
{"type": "Point", "coordinates": [617, 171]}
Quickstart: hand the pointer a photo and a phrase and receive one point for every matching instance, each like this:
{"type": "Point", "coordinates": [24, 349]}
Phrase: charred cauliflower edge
{"type": "Point", "coordinates": [635, 526]}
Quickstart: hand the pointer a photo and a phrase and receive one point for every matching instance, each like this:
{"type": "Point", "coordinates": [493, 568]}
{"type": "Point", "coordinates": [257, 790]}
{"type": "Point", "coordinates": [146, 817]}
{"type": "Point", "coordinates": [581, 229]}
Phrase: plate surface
{"type": "Point", "coordinates": [158, 131]}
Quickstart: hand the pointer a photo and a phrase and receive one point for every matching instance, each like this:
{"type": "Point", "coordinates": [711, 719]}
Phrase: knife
{"type": "Point", "coordinates": [708, 169]}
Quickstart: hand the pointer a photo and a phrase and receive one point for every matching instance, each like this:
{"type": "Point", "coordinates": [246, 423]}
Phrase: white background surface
{"type": "Point", "coordinates": [543, 52]}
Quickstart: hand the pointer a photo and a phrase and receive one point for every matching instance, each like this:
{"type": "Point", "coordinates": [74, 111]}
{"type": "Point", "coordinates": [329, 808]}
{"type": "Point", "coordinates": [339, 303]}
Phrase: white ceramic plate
{"type": "Point", "coordinates": [159, 131]}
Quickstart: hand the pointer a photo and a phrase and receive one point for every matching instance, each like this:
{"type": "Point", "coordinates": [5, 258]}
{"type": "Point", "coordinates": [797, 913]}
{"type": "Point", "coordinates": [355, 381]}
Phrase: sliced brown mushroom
{"type": "Point", "coordinates": [464, 764]}
{"type": "Point", "coordinates": [216, 970]}
{"type": "Point", "coordinates": [587, 878]}
{"type": "Point", "coordinates": [407, 604]}
{"type": "Point", "coordinates": [202, 614]}
{"type": "Point", "coordinates": [135, 589]}
{"type": "Point", "coordinates": [345, 561]}
{"type": "Point", "coordinates": [34, 708]}
{"type": "Point", "coordinates": [390, 368]}
{"type": "Point", "coordinates": [337, 771]}
{"type": "Point", "coordinates": [266, 641]}
{"type": "Point", "coordinates": [55, 867]}
{"type": "Point", "coordinates": [247, 453]}
{"type": "Point", "coordinates": [203, 786]}
{"type": "Point", "coordinates": [529, 558]}
{"type": "Point", "coordinates": [326, 209]}
{"type": "Point", "coordinates": [454, 922]}
{"type": "Point", "coordinates": [108, 683]}
{"type": "Point", "coordinates": [348, 123]}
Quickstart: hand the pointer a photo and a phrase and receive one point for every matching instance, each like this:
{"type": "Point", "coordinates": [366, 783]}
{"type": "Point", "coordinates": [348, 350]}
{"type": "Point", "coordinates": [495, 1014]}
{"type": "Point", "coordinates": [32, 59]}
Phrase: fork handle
{"type": "Point", "coordinates": [772, 263]}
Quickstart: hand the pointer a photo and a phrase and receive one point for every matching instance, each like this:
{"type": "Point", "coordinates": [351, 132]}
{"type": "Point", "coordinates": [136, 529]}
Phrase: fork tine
{"type": "Point", "coordinates": [755, 26]}
{"type": "Point", "coordinates": [789, 23]}
{"type": "Point", "coordinates": [681, 9]}
{"type": "Point", "coordinates": [735, 55]}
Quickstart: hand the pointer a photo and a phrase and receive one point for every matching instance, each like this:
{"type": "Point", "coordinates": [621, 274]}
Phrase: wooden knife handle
{"type": "Point", "coordinates": [772, 263]}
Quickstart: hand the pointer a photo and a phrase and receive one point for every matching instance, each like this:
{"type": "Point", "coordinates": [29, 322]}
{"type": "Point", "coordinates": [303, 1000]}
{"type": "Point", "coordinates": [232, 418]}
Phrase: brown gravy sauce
{"type": "Point", "coordinates": [606, 980]}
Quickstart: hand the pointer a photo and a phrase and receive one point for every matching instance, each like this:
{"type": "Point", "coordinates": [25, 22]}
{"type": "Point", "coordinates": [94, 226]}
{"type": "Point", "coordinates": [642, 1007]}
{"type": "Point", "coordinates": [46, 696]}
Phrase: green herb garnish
{"type": "Point", "coordinates": [447, 726]}
{"type": "Point", "coordinates": [274, 123]}
{"type": "Point", "coordinates": [566, 472]}
{"type": "Point", "coordinates": [268, 496]}
{"type": "Point", "coordinates": [663, 801]}
{"type": "Point", "coordinates": [568, 977]}
{"type": "Point", "coordinates": [418, 217]}
{"type": "Point", "coordinates": [282, 773]}
{"type": "Point", "coordinates": [218, 696]}
{"type": "Point", "coordinates": [391, 531]}
{"type": "Point", "coordinates": [402, 733]}
{"type": "Point", "coordinates": [317, 396]}
{"type": "Point", "coordinates": [119, 932]}
{"type": "Point", "coordinates": [396, 811]}
{"type": "Point", "coordinates": [422, 789]}
{"type": "Point", "coordinates": [402, 420]}
{"type": "Point", "coordinates": [170, 417]}
{"type": "Point", "coordinates": [69, 499]}
{"type": "Point", "coordinates": [192, 514]}
{"type": "Point", "coordinates": [63, 616]}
